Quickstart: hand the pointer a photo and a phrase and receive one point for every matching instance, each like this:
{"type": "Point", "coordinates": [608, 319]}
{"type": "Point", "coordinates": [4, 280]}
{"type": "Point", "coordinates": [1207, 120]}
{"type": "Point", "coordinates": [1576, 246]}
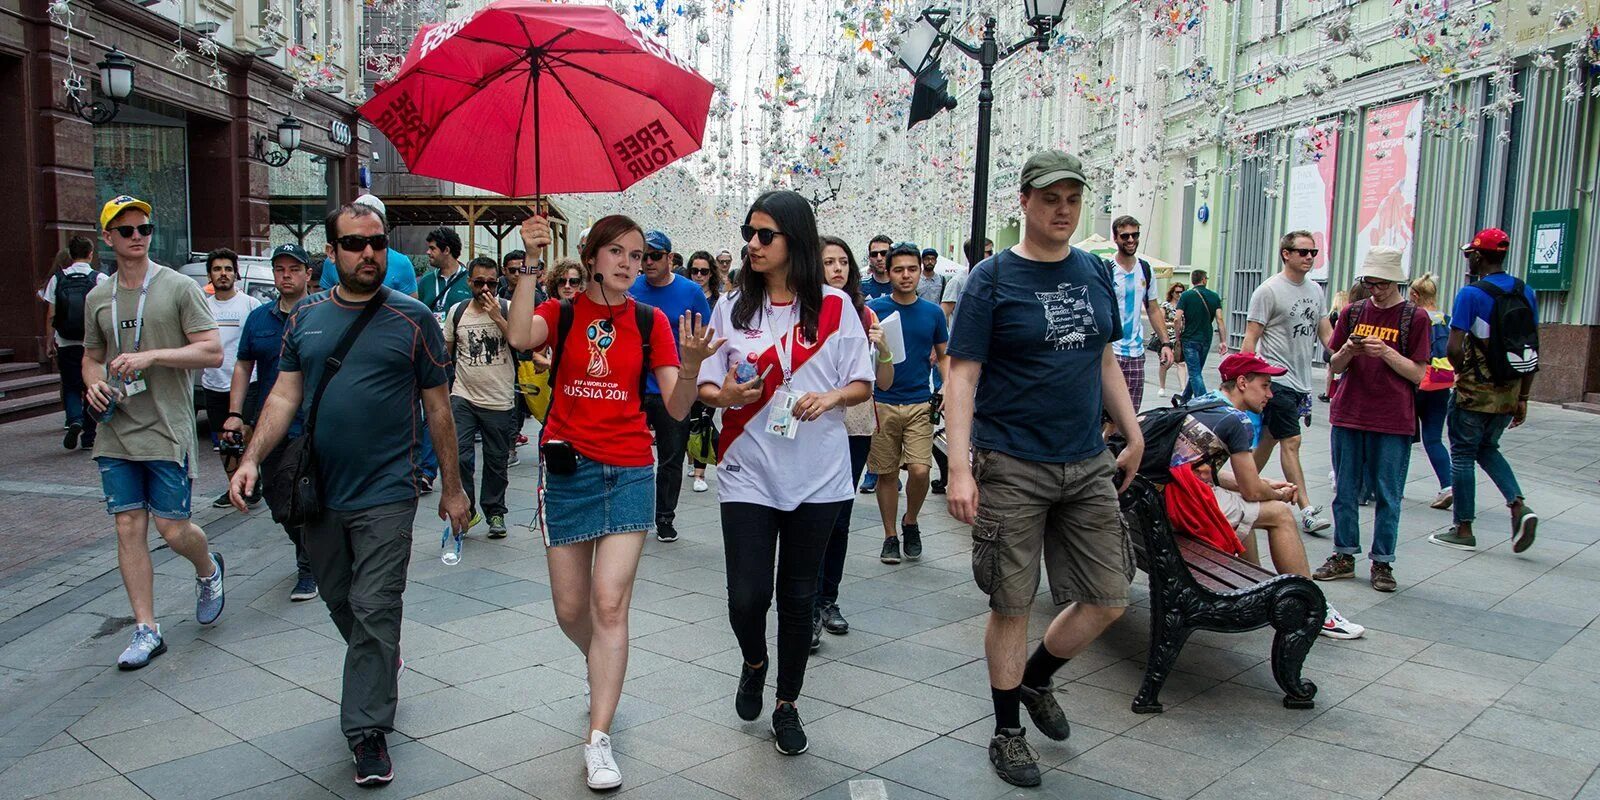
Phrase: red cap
{"type": "Point", "coordinates": [1489, 240]}
{"type": "Point", "coordinates": [1238, 365]}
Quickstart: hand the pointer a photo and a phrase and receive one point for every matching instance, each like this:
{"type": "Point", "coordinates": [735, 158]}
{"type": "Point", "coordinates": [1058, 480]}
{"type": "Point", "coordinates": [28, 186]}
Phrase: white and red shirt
{"type": "Point", "coordinates": [775, 471]}
{"type": "Point", "coordinates": [596, 407]}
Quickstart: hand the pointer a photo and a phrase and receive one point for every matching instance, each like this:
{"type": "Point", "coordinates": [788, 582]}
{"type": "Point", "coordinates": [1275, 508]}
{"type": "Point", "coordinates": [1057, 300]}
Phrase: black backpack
{"type": "Point", "coordinates": [72, 288]}
{"type": "Point", "coordinates": [644, 316]}
{"type": "Point", "coordinates": [1512, 349]}
{"type": "Point", "coordinates": [1160, 427]}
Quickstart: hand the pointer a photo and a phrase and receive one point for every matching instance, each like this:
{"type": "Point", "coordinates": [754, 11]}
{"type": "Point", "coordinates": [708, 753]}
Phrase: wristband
{"type": "Point", "coordinates": [886, 359]}
{"type": "Point", "coordinates": [233, 415]}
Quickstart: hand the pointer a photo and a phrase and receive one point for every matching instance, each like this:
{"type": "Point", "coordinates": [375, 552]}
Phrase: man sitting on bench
{"type": "Point", "coordinates": [1222, 434]}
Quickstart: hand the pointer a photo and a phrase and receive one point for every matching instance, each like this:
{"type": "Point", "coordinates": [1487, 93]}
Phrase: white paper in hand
{"type": "Point", "coordinates": [893, 337]}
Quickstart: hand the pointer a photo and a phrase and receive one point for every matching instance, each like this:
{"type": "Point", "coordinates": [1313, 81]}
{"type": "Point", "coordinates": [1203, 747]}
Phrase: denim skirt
{"type": "Point", "coordinates": [598, 500]}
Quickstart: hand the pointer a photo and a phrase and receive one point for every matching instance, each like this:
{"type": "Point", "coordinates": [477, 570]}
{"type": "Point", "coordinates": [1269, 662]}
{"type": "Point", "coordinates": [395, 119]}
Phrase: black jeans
{"type": "Point", "coordinates": [69, 362]}
{"type": "Point", "coordinates": [498, 434]}
{"type": "Point", "coordinates": [839, 541]}
{"type": "Point", "coordinates": [672, 440]}
{"type": "Point", "coordinates": [754, 537]}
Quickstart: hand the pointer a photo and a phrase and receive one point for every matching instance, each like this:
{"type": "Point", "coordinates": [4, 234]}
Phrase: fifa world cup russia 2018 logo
{"type": "Point", "coordinates": [601, 334]}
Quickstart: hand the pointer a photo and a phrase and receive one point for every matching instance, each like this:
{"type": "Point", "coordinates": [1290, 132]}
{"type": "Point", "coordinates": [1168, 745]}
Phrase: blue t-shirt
{"type": "Point", "coordinates": [398, 273]}
{"type": "Point", "coordinates": [680, 296]}
{"type": "Point", "coordinates": [921, 326]}
{"type": "Point", "coordinates": [1040, 331]}
{"type": "Point", "coordinates": [1474, 308]}
{"type": "Point", "coordinates": [369, 432]}
{"type": "Point", "coordinates": [871, 289]}
{"type": "Point", "coordinates": [261, 341]}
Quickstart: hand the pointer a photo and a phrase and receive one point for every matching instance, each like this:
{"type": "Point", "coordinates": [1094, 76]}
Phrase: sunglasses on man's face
{"type": "Point", "coordinates": [126, 231]}
{"type": "Point", "coordinates": [352, 243]}
{"type": "Point", "coordinates": [1305, 252]}
{"type": "Point", "coordinates": [486, 284]}
{"type": "Point", "coordinates": [765, 235]}
{"type": "Point", "coordinates": [1131, 236]}
{"type": "Point", "coordinates": [570, 282]}
{"type": "Point", "coordinates": [877, 254]}
{"type": "Point", "coordinates": [654, 255]}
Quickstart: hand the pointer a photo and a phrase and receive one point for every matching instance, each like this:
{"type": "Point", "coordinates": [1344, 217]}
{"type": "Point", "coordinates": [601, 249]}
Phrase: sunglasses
{"type": "Point", "coordinates": [654, 256]}
{"type": "Point", "coordinates": [1304, 252]}
{"type": "Point", "coordinates": [877, 254]}
{"type": "Point", "coordinates": [569, 281]}
{"type": "Point", "coordinates": [486, 284]}
{"type": "Point", "coordinates": [355, 244]}
{"type": "Point", "coordinates": [1129, 237]}
{"type": "Point", "coordinates": [126, 231]}
{"type": "Point", "coordinates": [700, 271]}
{"type": "Point", "coordinates": [764, 234]}
{"type": "Point", "coordinates": [724, 261]}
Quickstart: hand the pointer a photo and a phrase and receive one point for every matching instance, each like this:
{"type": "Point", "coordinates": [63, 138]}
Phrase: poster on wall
{"type": "Point", "coordinates": [1389, 156]}
{"type": "Point", "coordinates": [1309, 205]}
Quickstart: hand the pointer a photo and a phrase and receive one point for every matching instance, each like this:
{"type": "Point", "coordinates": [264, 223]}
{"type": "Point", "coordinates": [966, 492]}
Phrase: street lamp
{"type": "Point", "coordinates": [116, 83]}
{"type": "Point", "coordinates": [817, 198]}
{"type": "Point", "coordinates": [288, 141]}
{"type": "Point", "coordinates": [919, 54]}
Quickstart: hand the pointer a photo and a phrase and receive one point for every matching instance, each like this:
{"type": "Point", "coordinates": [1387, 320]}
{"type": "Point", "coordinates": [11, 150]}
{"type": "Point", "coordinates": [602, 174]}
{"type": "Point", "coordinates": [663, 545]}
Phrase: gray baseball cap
{"type": "Point", "coordinates": [1050, 166]}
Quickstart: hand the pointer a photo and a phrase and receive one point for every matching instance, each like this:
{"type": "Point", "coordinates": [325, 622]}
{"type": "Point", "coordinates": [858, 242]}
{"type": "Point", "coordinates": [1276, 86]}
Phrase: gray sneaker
{"type": "Point", "coordinates": [1312, 521]}
{"type": "Point", "coordinates": [146, 644]}
{"type": "Point", "coordinates": [1048, 718]}
{"type": "Point", "coordinates": [1014, 760]}
{"type": "Point", "coordinates": [1524, 525]}
{"type": "Point", "coordinates": [208, 593]}
{"type": "Point", "coordinates": [497, 526]}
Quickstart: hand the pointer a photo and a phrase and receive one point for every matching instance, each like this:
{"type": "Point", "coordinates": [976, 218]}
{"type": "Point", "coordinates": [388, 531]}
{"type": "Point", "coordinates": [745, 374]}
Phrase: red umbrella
{"type": "Point", "coordinates": [526, 97]}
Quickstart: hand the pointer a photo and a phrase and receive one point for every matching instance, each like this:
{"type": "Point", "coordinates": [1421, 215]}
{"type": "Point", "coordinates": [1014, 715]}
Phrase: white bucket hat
{"type": "Point", "coordinates": [1383, 263]}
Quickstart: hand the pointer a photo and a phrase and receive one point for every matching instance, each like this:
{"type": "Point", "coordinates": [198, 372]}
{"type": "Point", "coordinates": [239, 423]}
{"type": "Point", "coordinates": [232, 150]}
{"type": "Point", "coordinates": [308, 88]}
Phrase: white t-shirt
{"type": "Point", "coordinates": [814, 467]}
{"type": "Point", "coordinates": [48, 294]}
{"type": "Point", "coordinates": [230, 315]}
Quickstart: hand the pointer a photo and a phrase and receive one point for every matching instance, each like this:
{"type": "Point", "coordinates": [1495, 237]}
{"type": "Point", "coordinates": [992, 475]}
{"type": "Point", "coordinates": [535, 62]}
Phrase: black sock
{"type": "Point", "coordinates": [1042, 666]}
{"type": "Point", "coordinates": [1007, 708]}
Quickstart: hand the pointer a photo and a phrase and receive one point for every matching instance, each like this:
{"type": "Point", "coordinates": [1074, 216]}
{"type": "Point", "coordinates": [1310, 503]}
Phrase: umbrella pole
{"type": "Point", "coordinates": [538, 161]}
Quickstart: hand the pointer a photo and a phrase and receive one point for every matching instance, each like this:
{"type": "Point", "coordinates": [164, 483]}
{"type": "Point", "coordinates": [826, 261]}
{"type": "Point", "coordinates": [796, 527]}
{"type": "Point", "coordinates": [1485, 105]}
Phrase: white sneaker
{"type": "Point", "coordinates": [1335, 626]}
{"type": "Point", "coordinates": [1312, 521]}
{"type": "Point", "coordinates": [598, 762]}
{"type": "Point", "coordinates": [700, 485]}
{"type": "Point", "coordinates": [1161, 393]}
{"type": "Point", "coordinates": [1444, 499]}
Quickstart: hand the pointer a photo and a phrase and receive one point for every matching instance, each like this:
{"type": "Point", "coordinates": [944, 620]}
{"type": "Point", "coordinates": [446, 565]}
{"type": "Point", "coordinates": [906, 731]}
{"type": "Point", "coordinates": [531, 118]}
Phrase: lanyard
{"type": "Point", "coordinates": [440, 300]}
{"type": "Point", "coordinates": [138, 316]}
{"type": "Point", "coordinates": [779, 343]}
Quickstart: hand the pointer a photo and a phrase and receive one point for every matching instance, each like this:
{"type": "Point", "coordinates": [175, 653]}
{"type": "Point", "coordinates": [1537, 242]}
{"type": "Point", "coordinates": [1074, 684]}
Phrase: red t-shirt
{"type": "Point", "coordinates": [596, 407]}
{"type": "Point", "coordinates": [1371, 396]}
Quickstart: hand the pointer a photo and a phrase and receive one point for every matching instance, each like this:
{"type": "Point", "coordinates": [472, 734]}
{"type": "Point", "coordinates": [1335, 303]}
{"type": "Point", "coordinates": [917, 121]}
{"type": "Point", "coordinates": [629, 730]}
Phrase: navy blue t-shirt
{"type": "Point", "coordinates": [921, 326]}
{"type": "Point", "coordinates": [872, 289]}
{"type": "Point", "coordinates": [369, 432]}
{"type": "Point", "coordinates": [673, 299]}
{"type": "Point", "coordinates": [261, 341]}
{"type": "Point", "coordinates": [1040, 331]}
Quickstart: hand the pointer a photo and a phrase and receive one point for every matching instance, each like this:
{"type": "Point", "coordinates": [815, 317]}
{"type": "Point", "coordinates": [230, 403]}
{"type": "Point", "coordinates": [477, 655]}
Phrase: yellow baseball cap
{"type": "Point", "coordinates": [119, 204]}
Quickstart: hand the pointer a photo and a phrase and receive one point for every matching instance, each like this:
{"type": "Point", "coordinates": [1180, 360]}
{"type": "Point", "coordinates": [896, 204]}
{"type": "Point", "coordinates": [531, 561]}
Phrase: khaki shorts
{"type": "Point", "coordinates": [1241, 513]}
{"type": "Point", "coordinates": [1066, 512]}
{"type": "Point", "coordinates": [905, 436]}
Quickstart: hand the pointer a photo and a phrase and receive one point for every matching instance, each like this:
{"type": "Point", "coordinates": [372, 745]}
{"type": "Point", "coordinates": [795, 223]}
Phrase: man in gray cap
{"type": "Point", "coordinates": [260, 344]}
{"type": "Point", "coordinates": [1031, 368]}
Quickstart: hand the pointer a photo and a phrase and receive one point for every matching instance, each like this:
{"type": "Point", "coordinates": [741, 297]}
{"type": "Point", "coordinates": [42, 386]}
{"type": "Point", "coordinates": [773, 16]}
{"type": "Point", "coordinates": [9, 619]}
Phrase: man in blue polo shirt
{"type": "Point", "coordinates": [260, 345]}
{"type": "Point", "coordinates": [675, 295]}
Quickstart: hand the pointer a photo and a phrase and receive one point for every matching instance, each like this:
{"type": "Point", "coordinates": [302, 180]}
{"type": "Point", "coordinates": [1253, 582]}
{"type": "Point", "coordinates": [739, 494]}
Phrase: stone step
{"type": "Point", "coordinates": [1592, 408]}
{"type": "Point", "coordinates": [20, 370]}
{"type": "Point", "coordinates": [1591, 397]}
{"type": "Point", "coordinates": [30, 385]}
{"type": "Point", "coordinates": [6, 354]}
{"type": "Point", "coordinates": [21, 408]}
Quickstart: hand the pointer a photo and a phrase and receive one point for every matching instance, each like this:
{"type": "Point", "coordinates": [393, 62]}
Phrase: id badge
{"type": "Point", "coordinates": [780, 418]}
{"type": "Point", "coordinates": [438, 317]}
{"type": "Point", "coordinates": [132, 388]}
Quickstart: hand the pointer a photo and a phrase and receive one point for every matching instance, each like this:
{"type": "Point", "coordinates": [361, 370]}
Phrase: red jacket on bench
{"type": "Point", "coordinates": [1192, 510]}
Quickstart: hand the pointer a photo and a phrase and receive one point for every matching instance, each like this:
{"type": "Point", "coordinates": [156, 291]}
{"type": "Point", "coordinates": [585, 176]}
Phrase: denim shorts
{"type": "Point", "coordinates": [160, 487]}
{"type": "Point", "coordinates": [598, 500]}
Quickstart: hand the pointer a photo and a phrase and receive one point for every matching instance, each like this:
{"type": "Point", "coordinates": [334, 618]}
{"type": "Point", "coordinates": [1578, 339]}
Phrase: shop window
{"type": "Point", "coordinates": [145, 154]}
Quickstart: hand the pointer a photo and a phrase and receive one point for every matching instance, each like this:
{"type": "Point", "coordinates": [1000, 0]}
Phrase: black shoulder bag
{"type": "Point", "coordinates": [291, 488]}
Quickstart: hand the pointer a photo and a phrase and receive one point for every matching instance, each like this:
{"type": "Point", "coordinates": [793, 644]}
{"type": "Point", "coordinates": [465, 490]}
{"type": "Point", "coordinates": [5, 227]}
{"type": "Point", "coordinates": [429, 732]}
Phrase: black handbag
{"type": "Point", "coordinates": [291, 482]}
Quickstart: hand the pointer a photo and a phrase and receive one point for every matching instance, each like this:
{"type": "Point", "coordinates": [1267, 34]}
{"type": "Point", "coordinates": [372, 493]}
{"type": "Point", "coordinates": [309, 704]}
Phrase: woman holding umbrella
{"type": "Point", "coordinates": [598, 470]}
{"type": "Point", "coordinates": [799, 358]}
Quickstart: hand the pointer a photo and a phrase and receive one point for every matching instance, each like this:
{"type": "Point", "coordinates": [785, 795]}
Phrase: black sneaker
{"type": "Point", "coordinates": [86, 443]}
{"type": "Point", "coordinates": [665, 532]}
{"type": "Point", "coordinates": [789, 736]}
{"type": "Point", "coordinates": [373, 767]}
{"type": "Point", "coordinates": [937, 487]}
{"type": "Point", "coordinates": [816, 632]}
{"type": "Point", "coordinates": [1048, 718]}
{"type": "Point", "coordinates": [891, 550]}
{"type": "Point", "coordinates": [747, 700]}
{"type": "Point", "coordinates": [70, 440]}
{"type": "Point", "coordinates": [222, 501]}
{"type": "Point", "coordinates": [913, 539]}
{"type": "Point", "coordinates": [834, 622]}
{"type": "Point", "coordinates": [1014, 760]}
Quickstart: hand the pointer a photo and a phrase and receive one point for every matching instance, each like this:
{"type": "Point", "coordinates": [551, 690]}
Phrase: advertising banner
{"type": "Point", "coordinates": [1309, 205]}
{"type": "Point", "coordinates": [1389, 154]}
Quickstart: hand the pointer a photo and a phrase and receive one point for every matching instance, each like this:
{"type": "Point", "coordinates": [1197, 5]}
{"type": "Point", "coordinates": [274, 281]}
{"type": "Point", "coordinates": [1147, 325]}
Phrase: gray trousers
{"type": "Point", "coordinates": [360, 560]}
{"type": "Point", "coordinates": [498, 429]}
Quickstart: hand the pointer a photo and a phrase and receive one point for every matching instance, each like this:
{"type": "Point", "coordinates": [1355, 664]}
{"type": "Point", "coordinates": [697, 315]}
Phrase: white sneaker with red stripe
{"type": "Point", "coordinates": [1335, 626]}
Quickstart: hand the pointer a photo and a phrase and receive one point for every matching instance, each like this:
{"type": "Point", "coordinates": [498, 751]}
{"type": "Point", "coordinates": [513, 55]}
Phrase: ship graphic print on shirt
{"type": "Point", "coordinates": [601, 335]}
{"type": "Point", "coordinates": [1068, 316]}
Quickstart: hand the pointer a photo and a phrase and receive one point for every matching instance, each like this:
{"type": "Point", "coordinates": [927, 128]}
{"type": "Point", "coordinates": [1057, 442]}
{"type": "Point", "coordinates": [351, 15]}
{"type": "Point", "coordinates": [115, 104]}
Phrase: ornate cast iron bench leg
{"type": "Point", "coordinates": [1297, 611]}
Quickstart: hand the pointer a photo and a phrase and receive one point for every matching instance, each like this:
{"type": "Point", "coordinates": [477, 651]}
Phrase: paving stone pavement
{"type": "Point", "coordinates": [1479, 678]}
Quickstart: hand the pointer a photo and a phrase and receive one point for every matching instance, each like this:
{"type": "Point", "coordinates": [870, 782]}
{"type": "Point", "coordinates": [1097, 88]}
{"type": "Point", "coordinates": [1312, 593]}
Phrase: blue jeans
{"type": "Point", "coordinates": [1376, 462]}
{"type": "Point", "coordinates": [69, 362]}
{"type": "Point", "coordinates": [1194, 359]}
{"type": "Point", "coordinates": [1475, 439]}
{"type": "Point", "coordinates": [1432, 407]}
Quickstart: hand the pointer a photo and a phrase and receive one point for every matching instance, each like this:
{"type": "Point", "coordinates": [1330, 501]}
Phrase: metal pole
{"type": "Point", "coordinates": [988, 56]}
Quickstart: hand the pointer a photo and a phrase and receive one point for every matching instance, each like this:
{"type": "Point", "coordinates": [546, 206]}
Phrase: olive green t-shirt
{"type": "Point", "coordinates": [156, 424]}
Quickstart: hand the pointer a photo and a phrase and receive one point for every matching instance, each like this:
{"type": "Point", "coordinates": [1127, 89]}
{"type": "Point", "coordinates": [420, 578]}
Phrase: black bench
{"type": "Point", "coordinates": [1194, 586]}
